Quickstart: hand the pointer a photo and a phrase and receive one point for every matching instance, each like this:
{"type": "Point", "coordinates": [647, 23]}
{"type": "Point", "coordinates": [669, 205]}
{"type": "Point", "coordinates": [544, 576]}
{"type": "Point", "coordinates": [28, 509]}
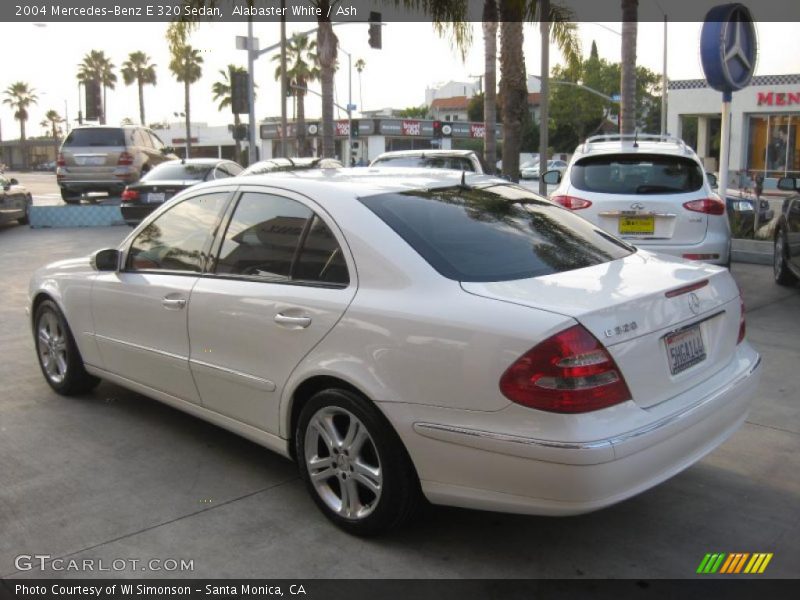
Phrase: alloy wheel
{"type": "Point", "coordinates": [52, 345]}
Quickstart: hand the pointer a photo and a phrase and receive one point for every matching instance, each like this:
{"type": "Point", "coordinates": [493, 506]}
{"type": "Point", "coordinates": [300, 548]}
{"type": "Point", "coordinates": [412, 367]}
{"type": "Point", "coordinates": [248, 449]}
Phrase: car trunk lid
{"type": "Point", "coordinates": [668, 324]}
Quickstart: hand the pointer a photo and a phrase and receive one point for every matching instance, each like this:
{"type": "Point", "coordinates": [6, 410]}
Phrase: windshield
{"type": "Point", "coordinates": [178, 172]}
{"type": "Point", "coordinates": [637, 174]}
{"type": "Point", "coordinates": [459, 163]}
{"type": "Point", "coordinates": [96, 136]}
{"type": "Point", "coordinates": [497, 232]}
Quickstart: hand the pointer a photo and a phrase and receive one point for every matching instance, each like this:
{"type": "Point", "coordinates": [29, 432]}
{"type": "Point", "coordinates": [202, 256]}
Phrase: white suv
{"type": "Point", "coordinates": [649, 190]}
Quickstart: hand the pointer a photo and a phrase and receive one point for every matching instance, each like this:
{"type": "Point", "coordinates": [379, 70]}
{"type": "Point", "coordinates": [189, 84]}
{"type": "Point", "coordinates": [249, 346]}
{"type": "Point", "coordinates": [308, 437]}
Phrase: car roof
{"type": "Point", "coordinates": [432, 152]}
{"type": "Point", "coordinates": [196, 161]}
{"type": "Point", "coordinates": [647, 144]}
{"type": "Point", "coordinates": [359, 181]}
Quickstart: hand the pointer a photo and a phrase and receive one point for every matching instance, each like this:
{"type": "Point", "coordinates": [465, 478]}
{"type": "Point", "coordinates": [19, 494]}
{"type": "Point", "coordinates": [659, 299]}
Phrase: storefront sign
{"type": "Point", "coordinates": [477, 130]}
{"type": "Point", "coordinates": [342, 128]}
{"type": "Point", "coordinates": [411, 128]}
{"type": "Point", "coordinates": [778, 98]}
{"type": "Point", "coordinates": [728, 47]}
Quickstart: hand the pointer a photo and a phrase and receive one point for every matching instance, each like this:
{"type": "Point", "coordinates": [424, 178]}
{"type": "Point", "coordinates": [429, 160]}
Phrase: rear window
{"type": "Point", "coordinates": [96, 136]}
{"type": "Point", "coordinates": [178, 172]}
{"type": "Point", "coordinates": [497, 232]}
{"type": "Point", "coordinates": [458, 163]}
{"type": "Point", "coordinates": [637, 174]}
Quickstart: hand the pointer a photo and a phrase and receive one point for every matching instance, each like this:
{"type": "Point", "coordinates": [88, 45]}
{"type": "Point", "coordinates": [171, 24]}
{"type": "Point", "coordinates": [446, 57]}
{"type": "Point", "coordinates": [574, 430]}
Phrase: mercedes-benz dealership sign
{"type": "Point", "coordinates": [729, 47]}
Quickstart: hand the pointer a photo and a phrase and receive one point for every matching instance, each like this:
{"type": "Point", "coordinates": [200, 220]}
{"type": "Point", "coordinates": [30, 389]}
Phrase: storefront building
{"type": "Point", "coordinates": [372, 137]}
{"type": "Point", "coordinates": [765, 119]}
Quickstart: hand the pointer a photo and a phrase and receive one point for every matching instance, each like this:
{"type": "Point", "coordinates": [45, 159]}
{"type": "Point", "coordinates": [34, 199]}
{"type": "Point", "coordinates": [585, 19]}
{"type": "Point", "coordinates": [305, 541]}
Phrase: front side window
{"type": "Point", "coordinates": [279, 239]}
{"type": "Point", "coordinates": [637, 174]}
{"type": "Point", "coordinates": [179, 238]}
{"type": "Point", "coordinates": [496, 232]}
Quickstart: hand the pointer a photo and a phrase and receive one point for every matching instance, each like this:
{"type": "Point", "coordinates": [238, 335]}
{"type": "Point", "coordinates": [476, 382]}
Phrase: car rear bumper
{"type": "Point", "coordinates": [497, 468]}
{"type": "Point", "coordinates": [719, 245]}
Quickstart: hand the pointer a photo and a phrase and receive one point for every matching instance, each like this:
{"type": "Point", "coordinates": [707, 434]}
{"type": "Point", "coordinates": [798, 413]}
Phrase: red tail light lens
{"type": "Point", "coordinates": [129, 195]}
{"type": "Point", "coordinates": [125, 159]}
{"type": "Point", "coordinates": [571, 202]}
{"type": "Point", "coordinates": [571, 372]}
{"type": "Point", "coordinates": [60, 162]}
{"type": "Point", "coordinates": [709, 206]}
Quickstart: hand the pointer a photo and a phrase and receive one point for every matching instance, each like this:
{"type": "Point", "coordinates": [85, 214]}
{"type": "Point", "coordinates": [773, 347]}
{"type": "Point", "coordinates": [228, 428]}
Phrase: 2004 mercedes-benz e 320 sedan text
{"type": "Point", "coordinates": [407, 333]}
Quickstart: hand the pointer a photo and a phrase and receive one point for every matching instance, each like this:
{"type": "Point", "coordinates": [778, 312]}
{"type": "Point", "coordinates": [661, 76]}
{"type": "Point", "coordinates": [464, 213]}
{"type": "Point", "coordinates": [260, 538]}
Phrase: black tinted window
{"type": "Point", "coordinates": [96, 136]}
{"type": "Point", "coordinates": [178, 171]}
{"type": "Point", "coordinates": [262, 237]}
{"type": "Point", "coordinates": [321, 258]}
{"type": "Point", "coordinates": [637, 174]}
{"type": "Point", "coordinates": [495, 233]}
{"type": "Point", "coordinates": [428, 162]}
{"type": "Point", "coordinates": [179, 238]}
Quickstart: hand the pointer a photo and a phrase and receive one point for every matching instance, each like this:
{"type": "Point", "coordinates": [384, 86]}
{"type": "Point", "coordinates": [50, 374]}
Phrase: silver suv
{"type": "Point", "coordinates": [106, 159]}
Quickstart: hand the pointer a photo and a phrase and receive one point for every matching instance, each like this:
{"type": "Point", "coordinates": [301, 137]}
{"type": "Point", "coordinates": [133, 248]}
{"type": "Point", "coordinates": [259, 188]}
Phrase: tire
{"type": "Point", "coordinates": [354, 465]}
{"type": "Point", "coordinates": [26, 219]}
{"type": "Point", "coordinates": [59, 358]}
{"type": "Point", "coordinates": [70, 197]}
{"type": "Point", "coordinates": [783, 276]}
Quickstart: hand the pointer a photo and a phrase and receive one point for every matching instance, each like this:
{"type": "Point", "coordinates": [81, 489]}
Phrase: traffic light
{"type": "Point", "coordinates": [239, 95]}
{"type": "Point", "coordinates": [437, 130]}
{"type": "Point", "coordinates": [239, 131]}
{"type": "Point", "coordinates": [375, 30]}
{"type": "Point", "coordinates": [94, 101]}
{"type": "Point", "coordinates": [354, 126]}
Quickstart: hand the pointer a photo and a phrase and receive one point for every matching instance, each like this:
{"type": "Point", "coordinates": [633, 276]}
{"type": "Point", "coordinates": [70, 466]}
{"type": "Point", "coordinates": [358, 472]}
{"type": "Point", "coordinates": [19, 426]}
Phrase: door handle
{"type": "Point", "coordinates": [173, 303]}
{"type": "Point", "coordinates": [292, 322]}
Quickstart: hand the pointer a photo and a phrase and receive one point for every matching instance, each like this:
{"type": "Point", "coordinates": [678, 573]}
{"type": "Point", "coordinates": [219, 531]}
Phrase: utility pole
{"type": "Point", "coordinates": [251, 54]}
{"type": "Point", "coordinates": [664, 82]}
{"type": "Point", "coordinates": [544, 25]}
{"type": "Point", "coordinates": [284, 88]}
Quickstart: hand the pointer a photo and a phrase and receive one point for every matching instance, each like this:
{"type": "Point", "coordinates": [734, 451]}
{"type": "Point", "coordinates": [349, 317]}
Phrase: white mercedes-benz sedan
{"type": "Point", "coordinates": [410, 333]}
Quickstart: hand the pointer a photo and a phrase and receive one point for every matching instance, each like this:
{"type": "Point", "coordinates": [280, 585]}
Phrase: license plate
{"type": "Point", "coordinates": [90, 161]}
{"type": "Point", "coordinates": [685, 349]}
{"type": "Point", "coordinates": [155, 197]}
{"type": "Point", "coordinates": [637, 225]}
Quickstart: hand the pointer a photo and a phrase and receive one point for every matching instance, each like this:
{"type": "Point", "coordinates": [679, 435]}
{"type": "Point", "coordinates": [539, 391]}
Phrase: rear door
{"type": "Point", "coordinates": [282, 280]}
{"type": "Point", "coordinates": [793, 230]}
{"type": "Point", "coordinates": [92, 153]}
{"type": "Point", "coordinates": [641, 197]}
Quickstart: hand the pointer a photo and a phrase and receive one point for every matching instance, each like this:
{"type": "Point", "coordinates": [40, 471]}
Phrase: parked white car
{"type": "Point", "coordinates": [459, 160]}
{"type": "Point", "coordinates": [651, 191]}
{"type": "Point", "coordinates": [402, 333]}
{"type": "Point", "coordinates": [532, 171]}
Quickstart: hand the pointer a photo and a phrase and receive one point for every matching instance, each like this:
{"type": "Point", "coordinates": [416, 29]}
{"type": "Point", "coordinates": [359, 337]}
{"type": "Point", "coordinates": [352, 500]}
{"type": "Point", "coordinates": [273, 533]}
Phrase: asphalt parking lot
{"type": "Point", "coordinates": [114, 475]}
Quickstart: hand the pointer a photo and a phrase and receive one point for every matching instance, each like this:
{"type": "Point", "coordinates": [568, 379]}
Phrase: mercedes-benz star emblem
{"type": "Point", "coordinates": [694, 303]}
{"type": "Point", "coordinates": [737, 51]}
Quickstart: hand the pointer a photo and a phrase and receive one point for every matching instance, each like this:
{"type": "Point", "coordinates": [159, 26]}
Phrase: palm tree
{"type": "Point", "coordinates": [221, 91]}
{"type": "Point", "coordinates": [51, 121]}
{"type": "Point", "coordinates": [360, 66]}
{"type": "Point", "coordinates": [97, 67]}
{"type": "Point", "coordinates": [490, 83]}
{"type": "Point", "coordinates": [19, 96]}
{"type": "Point", "coordinates": [186, 66]}
{"type": "Point", "coordinates": [138, 68]}
{"type": "Point", "coordinates": [301, 69]}
{"type": "Point", "coordinates": [627, 84]}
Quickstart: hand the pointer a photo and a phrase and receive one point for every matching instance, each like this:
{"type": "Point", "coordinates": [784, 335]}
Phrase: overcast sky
{"type": "Point", "coordinates": [413, 57]}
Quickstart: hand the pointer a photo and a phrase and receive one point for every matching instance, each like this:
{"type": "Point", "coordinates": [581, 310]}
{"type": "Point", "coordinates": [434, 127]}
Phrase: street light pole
{"type": "Point", "coordinates": [251, 150]}
{"type": "Point", "coordinates": [284, 90]}
{"type": "Point", "coordinates": [664, 83]}
{"type": "Point", "coordinates": [544, 103]}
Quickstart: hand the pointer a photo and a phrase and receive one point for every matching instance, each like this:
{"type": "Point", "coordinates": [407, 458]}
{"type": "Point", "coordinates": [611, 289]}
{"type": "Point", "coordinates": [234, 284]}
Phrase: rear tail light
{"type": "Point", "coordinates": [129, 195]}
{"type": "Point", "coordinates": [701, 256]}
{"type": "Point", "coordinates": [742, 327]}
{"type": "Point", "coordinates": [570, 372]}
{"type": "Point", "coordinates": [571, 202]}
{"type": "Point", "coordinates": [125, 159]}
{"type": "Point", "coordinates": [709, 206]}
{"type": "Point", "coordinates": [60, 162]}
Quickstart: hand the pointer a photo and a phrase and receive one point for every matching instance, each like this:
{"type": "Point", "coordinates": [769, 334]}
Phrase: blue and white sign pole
{"type": "Point", "coordinates": [728, 52]}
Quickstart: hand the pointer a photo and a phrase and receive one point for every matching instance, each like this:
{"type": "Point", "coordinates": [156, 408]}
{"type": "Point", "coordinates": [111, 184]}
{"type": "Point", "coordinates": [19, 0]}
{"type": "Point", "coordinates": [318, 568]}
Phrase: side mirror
{"type": "Point", "coordinates": [712, 179]}
{"type": "Point", "coordinates": [552, 177]}
{"type": "Point", "coordinates": [13, 181]}
{"type": "Point", "coordinates": [106, 260]}
{"type": "Point", "coordinates": [784, 183]}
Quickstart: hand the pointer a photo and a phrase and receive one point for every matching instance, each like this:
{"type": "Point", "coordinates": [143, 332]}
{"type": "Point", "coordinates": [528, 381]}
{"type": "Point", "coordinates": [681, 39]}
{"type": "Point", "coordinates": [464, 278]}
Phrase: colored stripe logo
{"type": "Point", "coordinates": [734, 563]}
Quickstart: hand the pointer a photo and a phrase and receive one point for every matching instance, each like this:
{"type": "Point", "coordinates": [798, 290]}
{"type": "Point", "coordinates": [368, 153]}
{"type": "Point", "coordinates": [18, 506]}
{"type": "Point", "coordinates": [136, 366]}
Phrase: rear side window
{"type": "Point", "coordinates": [427, 162]}
{"type": "Point", "coordinates": [498, 232]}
{"type": "Point", "coordinates": [637, 174]}
{"type": "Point", "coordinates": [96, 136]}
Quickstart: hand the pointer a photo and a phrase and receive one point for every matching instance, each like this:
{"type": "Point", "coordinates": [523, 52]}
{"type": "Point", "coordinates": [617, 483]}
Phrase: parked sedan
{"type": "Point", "coordinates": [15, 201]}
{"type": "Point", "coordinates": [166, 180]}
{"type": "Point", "coordinates": [277, 165]}
{"type": "Point", "coordinates": [557, 371]}
{"type": "Point", "coordinates": [787, 235]}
